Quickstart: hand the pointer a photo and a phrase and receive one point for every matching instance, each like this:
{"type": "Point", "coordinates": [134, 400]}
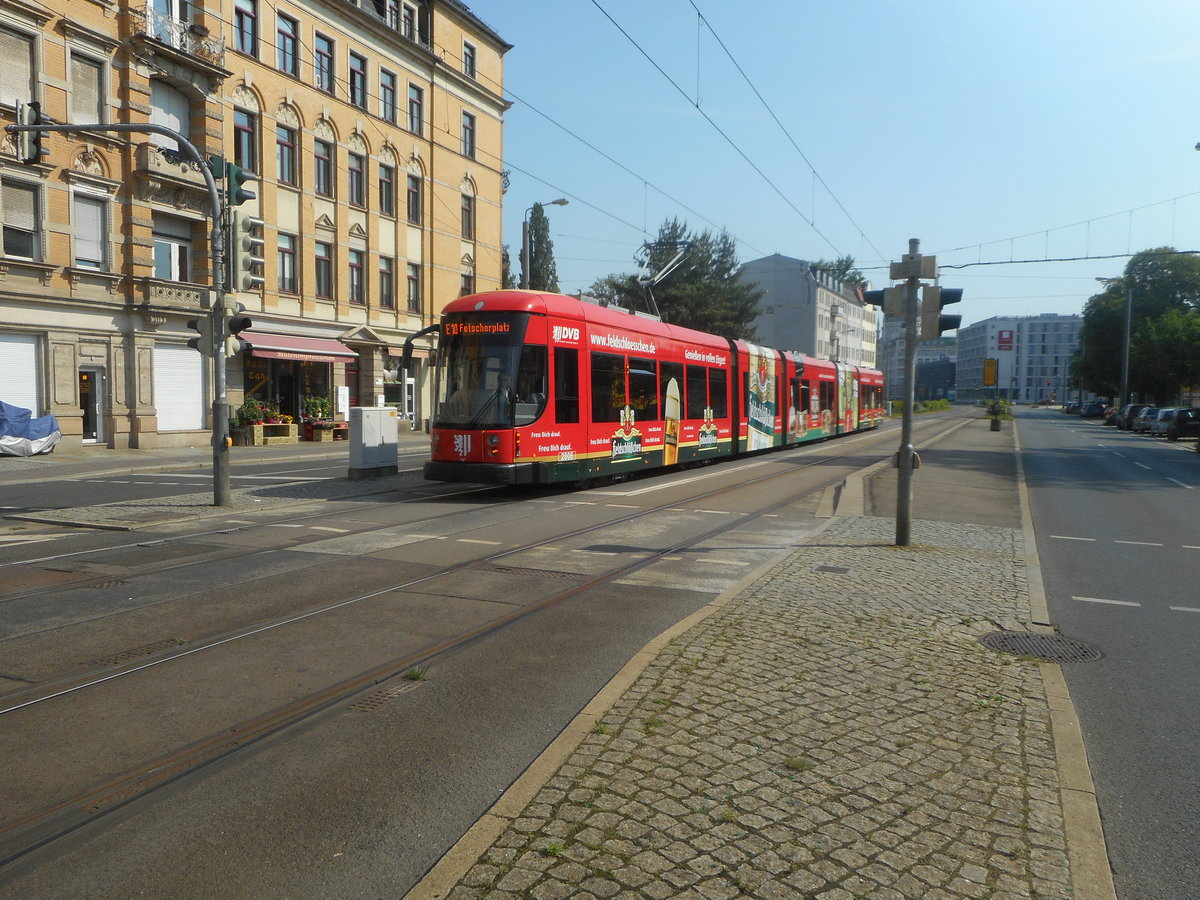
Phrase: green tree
{"type": "Point", "coordinates": [507, 279]}
{"type": "Point", "coordinates": [1162, 288]}
{"type": "Point", "coordinates": [842, 268]}
{"type": "Point", "coordinates": [543, 274]}
{"type": "Point", "coordinates": [702, 292]}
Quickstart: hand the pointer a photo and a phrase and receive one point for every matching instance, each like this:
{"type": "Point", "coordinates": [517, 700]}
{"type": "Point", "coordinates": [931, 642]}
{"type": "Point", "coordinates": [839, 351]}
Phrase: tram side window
{"type": "Point", "coordinates": [530, 389]}
{"type": "Point", "coordinates": [608, 387]}
{"type": "Point", "coordinates": [668, 371]}
{"type": "Point", "coordinates": [828, 393]}
{"type": "Point", "coordinates": [806, 397]}
{"type": "Point", "coordinates": [718, 393]}
{"type": "Point", "coordinates": [566, 384]}
{"type": "Point", "coordinates": [696, 395]}
{"type": "Point", "coordinates": [643, 389]}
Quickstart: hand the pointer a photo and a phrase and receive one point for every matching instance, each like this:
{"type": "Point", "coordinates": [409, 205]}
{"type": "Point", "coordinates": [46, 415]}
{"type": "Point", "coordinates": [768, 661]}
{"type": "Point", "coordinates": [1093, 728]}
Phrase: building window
{"type": "Point", "coordinates": [16, 77]}
{"type": "Point", "coordinates": [468, 217]}
{"type": "Point", "coordinates": [22, 216]}
{"type": "Point", "coordinates": [323, 63]}
{"type": "Point", "coordinates": [172, 248]}
{"type": "Point", "coordinates": [287, 264]}
{"type": "Point", "coordinates": [285, 144]}
{"type": "Point", "coordinates": [468, 135]}
{"type": "Point", "coordinates": [414, 199]}
{"type": "Point", "coordinates": [323, 168]}
{"type": "Point", "coordinates": [287, 44]}
{"type": "Point", "coordinates": [87, 89]}
{"type": "Point", "coordinates": [357, 288]}
{"type": "Point", "coordinates": [408, 22]}
{"type": "Point", "coordinates": [414, 288]}
{"type": "Point", "coordinates": [324, 274]}
{"type": "Point", "coordinates": [357, 173]}
{"type": "Point", "coordinates": [90, 220]}
{"type": "Point", "coordinates": [416, 104]}
{"type": "Point", "coordinates": [245, 140]}
{"type": "Point", "coordinates": [468, 59]}
{"type": "Point", "coordinates": [387, 190]}
{"type": "Point", "coordinates": [393, 14]}
{"type": "Point", "coordinates": [245, 27]}
{"type": "Point", "coordinates": [358, 80]}
{"type": "Point", "coordinates": [387, 96]}
{"type": "Point", "coordinates": [466, 284]}
{"type": "Point", "coordinates": [387, 282]}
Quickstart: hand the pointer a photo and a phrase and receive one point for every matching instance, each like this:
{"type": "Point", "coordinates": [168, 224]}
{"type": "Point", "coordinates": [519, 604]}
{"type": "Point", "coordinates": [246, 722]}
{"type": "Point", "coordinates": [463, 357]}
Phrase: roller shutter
{"type": "Point", "coordinates": [19, 371]}
{"type": "Point", "coordinates": [179, 388]}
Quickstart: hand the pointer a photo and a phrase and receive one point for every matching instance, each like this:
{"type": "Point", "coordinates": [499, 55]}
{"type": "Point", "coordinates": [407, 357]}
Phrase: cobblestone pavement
{"type": "Point", "coordinates": [823, 734]}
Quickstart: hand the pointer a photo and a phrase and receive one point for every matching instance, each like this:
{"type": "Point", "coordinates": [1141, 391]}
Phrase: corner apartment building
{"type": "Point", "coordinates": [376, 130]}
{"type": "Point", "coordinates": [1033, 355]}
{"type": "Point", "coordinates": [808, 310]}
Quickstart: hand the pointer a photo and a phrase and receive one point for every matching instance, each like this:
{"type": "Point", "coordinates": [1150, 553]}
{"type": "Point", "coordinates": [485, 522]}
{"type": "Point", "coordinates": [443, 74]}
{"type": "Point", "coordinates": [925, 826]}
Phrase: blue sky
{"type": "Point", "coordinates": [991, 131]}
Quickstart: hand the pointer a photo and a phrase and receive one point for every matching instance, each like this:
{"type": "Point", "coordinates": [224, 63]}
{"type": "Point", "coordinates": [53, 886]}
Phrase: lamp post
{"type": "Point", "coordinates": [1124, 394]}
{"type": "Point", "coordinates": [561, 201]}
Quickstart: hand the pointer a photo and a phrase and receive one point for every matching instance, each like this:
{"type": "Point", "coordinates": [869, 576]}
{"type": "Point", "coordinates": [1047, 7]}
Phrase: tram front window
{"type": "Point", "coordinates": [487, 376]}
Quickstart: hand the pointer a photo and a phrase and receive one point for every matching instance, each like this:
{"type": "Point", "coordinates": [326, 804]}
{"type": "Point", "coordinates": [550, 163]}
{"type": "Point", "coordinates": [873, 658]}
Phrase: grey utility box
{"type": "Point", "coordinates": [372, 441]}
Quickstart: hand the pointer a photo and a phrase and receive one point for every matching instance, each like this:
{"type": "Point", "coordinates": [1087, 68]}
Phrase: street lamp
{"type": "Point", "coordinates": [1123, 398]}
{"type": "Point", "coordinates": [561, 201]}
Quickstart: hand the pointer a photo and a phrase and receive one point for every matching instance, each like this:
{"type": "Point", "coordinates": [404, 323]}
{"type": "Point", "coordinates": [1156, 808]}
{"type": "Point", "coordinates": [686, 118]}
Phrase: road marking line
{"type": "Point", "coordinates": [1184, 609]}
{"type": "Point", "coordinates": [1102, 600]}
{"type": "Point", "coordinates": [1067, 537]}
{"type": "Point", "coordinates": [622, 506]}
{"type": "Point", "coordinates": [327, 528]}
{"type": "Point", "coordinates": [722, 562]}
{"type": "Point", "coordinates": [427, 537]}
{"type": "Point", "coordinates": [594, 552]}
{"type": "Point", "coordinates": [1180, 483]}
{"type": "Point", "coordinates": [283, 525]}
{"type": "Point", "coordinates": [1139, 543]}
{"type": "Point", "coordinates": [1141, 465]}
{"type": "Point", "coordinates": [1191, 547]}
{"type": "Point", "coordinates": [477, 541]}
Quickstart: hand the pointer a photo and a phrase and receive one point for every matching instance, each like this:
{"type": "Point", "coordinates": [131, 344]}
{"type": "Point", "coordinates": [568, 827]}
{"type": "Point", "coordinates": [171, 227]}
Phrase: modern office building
{"type": "Point", "coordinates": [1033, 357]}
{"type": "Point", "coordinates": [932, 358]}
{"type": "Point", "coordinates": [810, 311]}
{"type": "Point", "coordinates": [375, 129]}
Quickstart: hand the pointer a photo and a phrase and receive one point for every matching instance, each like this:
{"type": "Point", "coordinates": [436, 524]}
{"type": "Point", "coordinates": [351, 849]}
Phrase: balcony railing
{"type": "Point", "coordinates": [185, 37]}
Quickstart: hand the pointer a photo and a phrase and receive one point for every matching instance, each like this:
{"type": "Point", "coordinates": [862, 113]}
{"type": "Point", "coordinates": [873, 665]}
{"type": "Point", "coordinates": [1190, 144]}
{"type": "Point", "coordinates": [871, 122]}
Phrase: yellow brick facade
{"type": "Point", "coordinates": [97, 288]}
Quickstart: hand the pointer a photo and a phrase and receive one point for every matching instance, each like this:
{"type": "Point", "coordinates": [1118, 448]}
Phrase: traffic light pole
{"type": "Point", "coordinates": [220, 405]}
{"type": "Point", "coordinates": [906, 458]}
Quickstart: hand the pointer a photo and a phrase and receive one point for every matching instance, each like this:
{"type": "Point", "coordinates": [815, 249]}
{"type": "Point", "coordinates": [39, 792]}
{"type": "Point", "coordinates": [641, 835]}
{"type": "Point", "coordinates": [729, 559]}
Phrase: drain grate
{"type": "Point", "coordinates": [379, 698]}
{"type": "Point", "coordinates": [832, 570]}
{"type": "Point", "coordinates": [1050, 647]}
{"type": "Point", "coordinates": [541, 573]}
{"type": "Point", "coordinates": [137, 652]}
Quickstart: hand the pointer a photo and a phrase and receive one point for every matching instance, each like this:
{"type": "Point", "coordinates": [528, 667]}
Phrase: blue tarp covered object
{"type": "Point", "coordinates": [23, 435]}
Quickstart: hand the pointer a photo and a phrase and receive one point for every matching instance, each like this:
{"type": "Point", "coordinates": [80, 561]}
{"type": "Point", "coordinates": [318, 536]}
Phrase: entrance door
{"type": "Point", "coordinates": [91, 403]}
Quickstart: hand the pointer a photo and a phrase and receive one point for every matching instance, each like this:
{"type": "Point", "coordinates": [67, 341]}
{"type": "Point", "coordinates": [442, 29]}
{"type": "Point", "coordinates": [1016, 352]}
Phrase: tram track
{"type": "Point", "coordinates": [88, 804]}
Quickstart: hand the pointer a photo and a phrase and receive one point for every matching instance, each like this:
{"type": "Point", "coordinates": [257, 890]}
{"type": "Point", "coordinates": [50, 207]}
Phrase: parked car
{"type": "Point", "coordinates": [1111, 415]}
{"type": "Point", "coordinates": [1071, 409]}
{"type": "Point", "coordinates": [1164, 417]}
{"type": "Point", "coordinates": [1093, 410]}
{"type": "Point", "coordinates": [1141, 422]}
{"type": "Point", "coordinates": [1185, 424]}
{"type": "Point", "coordinates": [1128, 413]}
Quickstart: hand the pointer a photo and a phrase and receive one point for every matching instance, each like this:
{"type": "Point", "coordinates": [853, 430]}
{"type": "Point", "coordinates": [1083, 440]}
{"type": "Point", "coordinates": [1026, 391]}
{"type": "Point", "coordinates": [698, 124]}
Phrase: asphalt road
{"type": "Point", "coordinates": [358, 802]}
{"type": "Point", "coordinates": [1118, 532]}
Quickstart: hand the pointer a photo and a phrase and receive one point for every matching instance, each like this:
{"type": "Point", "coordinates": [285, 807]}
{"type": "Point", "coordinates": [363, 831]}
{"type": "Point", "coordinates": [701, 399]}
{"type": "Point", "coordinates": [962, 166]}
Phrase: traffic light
{"type": "Point", "coordinates": [933, 323]}
{"type": "Point", "coordinates": [238, 177]}
{"type": "Point", "coordinates": [235, 325]}
{"type": "Point", "coordinates": [29, 143]}
{"type": "Point", "coordinates": [891, 299]}
{"type": "Point", "coordinates": [246, 256]}
{"type": "Point", "coordinates": [203, 327]}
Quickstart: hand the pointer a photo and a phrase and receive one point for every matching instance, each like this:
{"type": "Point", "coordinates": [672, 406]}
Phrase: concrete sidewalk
{"type": "Point", "coordinates": [830, 728]}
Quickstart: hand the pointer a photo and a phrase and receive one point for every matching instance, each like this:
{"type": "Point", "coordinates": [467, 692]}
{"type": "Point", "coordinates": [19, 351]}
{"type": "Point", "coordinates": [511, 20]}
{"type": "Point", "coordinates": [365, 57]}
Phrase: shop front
{"type": "Point", "coordinates": [289, 380]}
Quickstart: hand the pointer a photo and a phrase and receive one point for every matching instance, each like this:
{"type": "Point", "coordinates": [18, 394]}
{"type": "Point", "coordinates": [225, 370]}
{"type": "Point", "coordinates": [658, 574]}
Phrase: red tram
{"type": "Point", "coordinates": [537, 388]}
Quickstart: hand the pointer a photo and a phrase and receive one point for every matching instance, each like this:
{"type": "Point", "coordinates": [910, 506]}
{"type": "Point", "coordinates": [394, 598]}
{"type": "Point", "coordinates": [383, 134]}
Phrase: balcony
{"type": "Point", "coordinates": [189, 39]}
{"type": "Point", "coordinates": [166, 176]}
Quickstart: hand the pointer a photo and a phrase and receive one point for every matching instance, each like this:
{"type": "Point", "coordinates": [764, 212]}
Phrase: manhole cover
{"type": "Point", "coordinates": [832, 570]}
{"type": "Point", "coordinates": [1051, 647]}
